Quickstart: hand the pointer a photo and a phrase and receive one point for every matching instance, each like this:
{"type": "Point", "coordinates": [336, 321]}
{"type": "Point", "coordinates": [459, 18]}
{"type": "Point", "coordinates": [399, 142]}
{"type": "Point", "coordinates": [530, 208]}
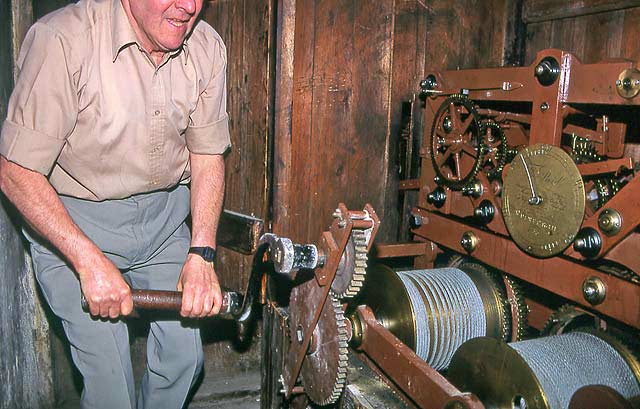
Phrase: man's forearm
{"type": "Point", "coordinates": [41, 208]}
{"type": "Point", "coordinates": [207, 192]}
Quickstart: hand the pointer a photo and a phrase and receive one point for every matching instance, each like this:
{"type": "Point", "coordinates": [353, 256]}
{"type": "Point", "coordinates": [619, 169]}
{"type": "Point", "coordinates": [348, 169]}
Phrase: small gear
{"type": "Point", "coordinates": [456, 142]}
{"type": "Point", "coordinates": [516, 299]}
{"type": "Point", "coordinates": [605, 188]}
{"type": "Point", "coordinates": [352, 269]}
{"type": "Point", "coordinates": [495, 149]}
{"type": "Point", "coordinates": [566, 319]}
{"type": "Point", "coordinates": [583, 150]}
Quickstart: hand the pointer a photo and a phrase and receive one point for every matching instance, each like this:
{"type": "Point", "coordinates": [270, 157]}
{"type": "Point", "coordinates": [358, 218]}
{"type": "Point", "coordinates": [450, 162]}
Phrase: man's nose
{"type": "Point", "coordinates": [189, 6]}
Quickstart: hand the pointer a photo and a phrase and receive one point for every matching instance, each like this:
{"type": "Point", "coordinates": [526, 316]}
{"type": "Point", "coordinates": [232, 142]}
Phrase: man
{"type": "Point", "coordinates": [118, 104]}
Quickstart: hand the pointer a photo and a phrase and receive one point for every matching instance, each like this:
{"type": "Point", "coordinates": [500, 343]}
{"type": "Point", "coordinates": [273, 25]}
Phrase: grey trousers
{"type": "Point", "coordinates": [147, 239]}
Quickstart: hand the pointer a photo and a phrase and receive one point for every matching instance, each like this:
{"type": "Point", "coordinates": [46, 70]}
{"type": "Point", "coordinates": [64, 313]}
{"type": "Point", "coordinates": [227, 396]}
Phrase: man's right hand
{"type": "Point", "coordinates": [102, 284]}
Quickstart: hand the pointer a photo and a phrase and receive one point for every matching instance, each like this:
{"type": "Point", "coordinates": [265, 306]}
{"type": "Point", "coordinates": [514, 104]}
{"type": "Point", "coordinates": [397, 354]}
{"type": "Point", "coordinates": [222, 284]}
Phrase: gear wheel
{"type": "Point", "coordinates": [516, 299]}
{"type": "Point", "coordinates": [456, 142]}
{"type": "Point", "coordinates": [505, 312]}
{"type": "Point", "coordinates": [514, 326]}
{"type": "Point", "coordinates": [495, 149]}
{"type": "Point", "coordinates": [352, 269]}
{"type": "Point", "coordinates": [567, 318]}
{"type": "Point", "coordinates": [324, 369]}
{"type": "Point", "coordinates": [606, 188]}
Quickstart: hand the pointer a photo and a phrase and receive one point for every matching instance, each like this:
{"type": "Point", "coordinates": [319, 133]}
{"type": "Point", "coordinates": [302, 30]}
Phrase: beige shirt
{"type": "Point", "coordinates": [91, 111]}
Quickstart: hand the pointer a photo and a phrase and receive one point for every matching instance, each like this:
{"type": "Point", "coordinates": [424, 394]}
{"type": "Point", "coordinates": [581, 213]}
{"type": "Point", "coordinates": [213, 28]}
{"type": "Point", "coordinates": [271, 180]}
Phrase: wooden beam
{"type": "Point", "coordinates": [536, 11]}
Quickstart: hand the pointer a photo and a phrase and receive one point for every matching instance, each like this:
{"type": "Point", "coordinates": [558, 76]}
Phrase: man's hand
{"type": "Point", "coordinates": [102, 284]}
{"type": "Point", "coordinates": [201, 294]}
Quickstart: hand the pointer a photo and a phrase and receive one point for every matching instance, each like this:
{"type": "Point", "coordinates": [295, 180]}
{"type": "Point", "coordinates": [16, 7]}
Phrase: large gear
{"type": "Point", "coordinates": [456, 142]}
{"type": "Point", "coordinates": [352, 268]}
{"type": "Point", "coordinates": [510, 290]}
{"type": "Point", "coordinates": [324, 369]}
{"type": "Point", "coordinates": [495, 149]}
{"type": "Point", "coordinates": [471, 267]}
{"type": "Point", "coordinates": [517, 303]}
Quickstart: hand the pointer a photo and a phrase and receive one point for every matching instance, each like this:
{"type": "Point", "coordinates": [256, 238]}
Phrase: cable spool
{"type": "Point", "coordinates": [543, 372]}
{"type": "Point", "coordinates": [435, 311]}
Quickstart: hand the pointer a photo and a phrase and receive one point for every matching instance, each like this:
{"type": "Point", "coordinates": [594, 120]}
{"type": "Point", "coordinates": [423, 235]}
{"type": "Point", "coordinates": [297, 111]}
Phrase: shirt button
{"type": "Point", "coordinates": [157, 112]}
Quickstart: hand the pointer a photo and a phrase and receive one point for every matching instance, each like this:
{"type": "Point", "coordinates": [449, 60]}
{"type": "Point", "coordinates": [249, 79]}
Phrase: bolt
{"type": "Point", "coordinates": [447, 124]}
{"type": "Point", "coordinates": [618, 83]}
{"type": "Point", "coordinates": [590, 290]}
{"type": "Point", "coordinates": [544, 106]}
{"type": "Point", "coordinates": [416, 220]}
{"type": "Point", "coordinates": [519, 403]}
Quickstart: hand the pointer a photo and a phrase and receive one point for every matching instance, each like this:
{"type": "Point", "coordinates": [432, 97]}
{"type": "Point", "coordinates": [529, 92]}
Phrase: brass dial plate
{"type": "Point", "coordinates": [543, 200]}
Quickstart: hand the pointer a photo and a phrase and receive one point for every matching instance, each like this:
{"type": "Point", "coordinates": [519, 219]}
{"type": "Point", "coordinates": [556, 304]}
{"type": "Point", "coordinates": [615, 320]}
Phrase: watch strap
{"type": "Point", "coordinates": [207, 253]}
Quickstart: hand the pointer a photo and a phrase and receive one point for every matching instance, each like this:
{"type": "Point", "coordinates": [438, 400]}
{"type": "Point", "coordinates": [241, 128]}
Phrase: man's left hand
{"type": "Point", "coordinates": [201, 294]}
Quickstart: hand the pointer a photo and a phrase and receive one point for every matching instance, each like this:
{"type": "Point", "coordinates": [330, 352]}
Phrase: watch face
{"type": "Point", "coordinates": [543, 200]}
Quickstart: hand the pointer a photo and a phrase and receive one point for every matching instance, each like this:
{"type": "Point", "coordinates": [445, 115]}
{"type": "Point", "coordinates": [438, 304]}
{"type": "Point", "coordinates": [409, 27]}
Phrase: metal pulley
{"type": "Point", "coordinates": [435, 311]}
{"type": "Point", "coordinates": [543, 372]}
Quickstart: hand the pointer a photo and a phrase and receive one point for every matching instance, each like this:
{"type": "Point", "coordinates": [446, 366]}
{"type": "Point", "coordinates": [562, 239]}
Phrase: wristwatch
{"type": "Point", "coordinates": [207, 253]}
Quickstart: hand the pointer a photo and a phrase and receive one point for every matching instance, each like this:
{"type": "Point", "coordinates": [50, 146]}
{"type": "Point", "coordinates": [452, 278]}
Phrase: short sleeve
{"type": "Point", "coordinates": [208, 131]}
{"type": "Point", "coordinates": [43, 107]}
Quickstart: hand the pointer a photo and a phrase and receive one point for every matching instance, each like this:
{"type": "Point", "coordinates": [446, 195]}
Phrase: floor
{"type": "Point", "coordinates": [239, 393]}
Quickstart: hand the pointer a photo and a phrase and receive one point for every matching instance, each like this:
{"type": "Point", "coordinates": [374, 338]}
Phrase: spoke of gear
{"type": "Point", "coordinates": [495, 149]}
{"type": "Point", "coordinates": [456, 142]}
{"type": "Point", "coordinates": [352, 268]}
{"type": "Point", "coordinates": [324, 369]}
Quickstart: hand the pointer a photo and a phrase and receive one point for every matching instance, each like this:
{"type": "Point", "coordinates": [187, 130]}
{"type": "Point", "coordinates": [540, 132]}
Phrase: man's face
{"type": "Point", "coordinates": [163, 24]}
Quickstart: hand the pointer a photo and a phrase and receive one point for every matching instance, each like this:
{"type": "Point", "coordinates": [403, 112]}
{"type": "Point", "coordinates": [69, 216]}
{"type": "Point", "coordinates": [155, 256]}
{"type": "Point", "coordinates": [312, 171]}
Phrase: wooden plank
{"type": "Point", "coordinates": [301, 118]}
{"type": "Point", "coordinates": [371, 175]}
{"type": "Point", "coordinates": [274, 350]}
{"type": "Point", "coordinates": [630, 41]}
{"type": "Point", "coordinates": [536, 11]}
{"type": "Point", "coordinates": [592, 38]}
{"type": "Point", "coordinates": [331, 121]}
{"type": "Point", "coordinates": [282, 136]}
{"type": "Point", "coordinates": [409, 47]}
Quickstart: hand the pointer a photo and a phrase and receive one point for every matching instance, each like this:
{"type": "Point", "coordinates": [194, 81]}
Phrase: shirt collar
{"type": "Point", "coordinates": [122, 34]}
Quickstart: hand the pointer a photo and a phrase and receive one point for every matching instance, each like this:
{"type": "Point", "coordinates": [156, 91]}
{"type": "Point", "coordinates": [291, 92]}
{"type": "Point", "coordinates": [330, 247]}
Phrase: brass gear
{"type": "Point", "coordinates": [505, 311]}
{"type": "Point", "coordinates": [501, 282]}
{"type": "Point", "coordinates": [605, 188]}
{"type": "Point", "coordinates": [566, 319]}
{"type": "Point", "coordinates": [495, 149]}
{"type": "Point", "coordinates": [456, 142]}
{"type": "Point", "coordinates": [352, 269]}
{"type": "Point", "coordinates": [324, 369]}
{"type": "Point", "coordinates": [583, 151]}
{"type": "Point", "coordinates": [519, 321]}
